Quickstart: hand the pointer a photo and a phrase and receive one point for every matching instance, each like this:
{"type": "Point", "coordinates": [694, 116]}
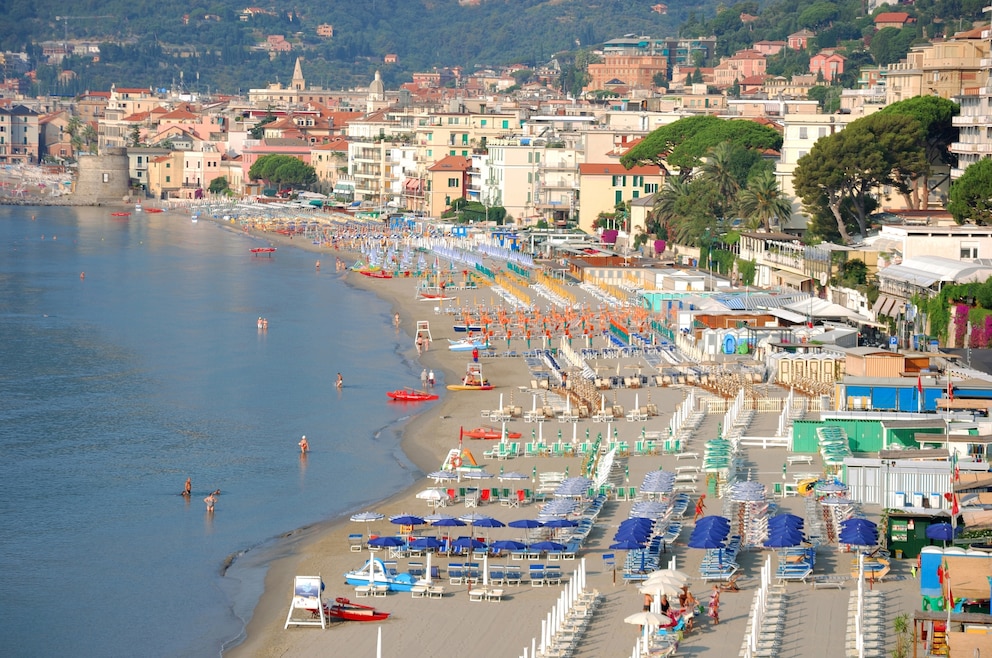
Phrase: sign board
{"type": "Point", "coordinates": [893, 342]}
{"type": "Point", "coordinates": [306, 598]}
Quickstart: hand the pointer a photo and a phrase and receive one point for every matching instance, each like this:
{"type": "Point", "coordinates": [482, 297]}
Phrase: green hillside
{"type": "Point", "coordinates": [207, 45]}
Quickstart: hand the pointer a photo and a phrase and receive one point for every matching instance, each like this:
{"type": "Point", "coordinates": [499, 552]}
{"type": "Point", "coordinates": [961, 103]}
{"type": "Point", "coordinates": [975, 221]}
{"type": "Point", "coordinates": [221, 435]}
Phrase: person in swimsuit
{"type": "Point", "coordinates": [189, 487]}
{"type": "Point", "coordinates": [340, 382]}
{"type": "Point", "coordinates": [304, 446]}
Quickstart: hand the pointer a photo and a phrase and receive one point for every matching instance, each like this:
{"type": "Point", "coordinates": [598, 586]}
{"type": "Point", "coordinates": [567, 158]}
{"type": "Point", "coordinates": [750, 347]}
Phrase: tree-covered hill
{"type": "Point", "coordinates": [211, 44]}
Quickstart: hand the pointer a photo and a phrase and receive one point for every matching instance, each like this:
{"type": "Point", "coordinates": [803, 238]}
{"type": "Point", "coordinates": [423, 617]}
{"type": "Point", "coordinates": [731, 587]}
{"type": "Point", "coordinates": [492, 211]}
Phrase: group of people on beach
{"type": "Point", "coordinates": [210, 500]}
{"type": "Point", "coordinates": [688, 606]}
{"type": "Point", "coordinates": [427, 378]}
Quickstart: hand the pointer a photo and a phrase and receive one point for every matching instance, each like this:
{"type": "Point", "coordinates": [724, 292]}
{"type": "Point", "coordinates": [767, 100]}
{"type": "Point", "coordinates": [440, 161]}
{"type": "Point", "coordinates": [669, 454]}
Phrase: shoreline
{"type": "Point", "coordinates": [415, 444]}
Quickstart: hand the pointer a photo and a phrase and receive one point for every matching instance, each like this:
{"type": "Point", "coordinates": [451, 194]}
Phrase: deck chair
{"type": "Point", "coordinates": [355, 543]}
{"type": "Point", "coordinates": [485, 496]}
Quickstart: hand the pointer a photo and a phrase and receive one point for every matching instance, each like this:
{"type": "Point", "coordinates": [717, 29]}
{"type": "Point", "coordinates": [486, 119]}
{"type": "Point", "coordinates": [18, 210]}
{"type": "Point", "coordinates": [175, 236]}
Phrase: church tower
{"type": "Point", "coordinates": [298, 83]}
{"type": "Point", "coordinates": [376, 99]}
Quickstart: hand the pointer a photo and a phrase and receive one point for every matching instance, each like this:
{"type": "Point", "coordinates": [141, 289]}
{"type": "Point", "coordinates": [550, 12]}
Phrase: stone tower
{"type": "Point", "coordinates": [298, 83]}
{"type": "Point", "coordinates": [102, 179]}
{"type": "Point", "coordinates": [376, 99]}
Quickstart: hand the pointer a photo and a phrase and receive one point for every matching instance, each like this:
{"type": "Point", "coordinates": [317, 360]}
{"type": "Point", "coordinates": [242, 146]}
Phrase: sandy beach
{"type": "Point", "coordinates": [817, 620]}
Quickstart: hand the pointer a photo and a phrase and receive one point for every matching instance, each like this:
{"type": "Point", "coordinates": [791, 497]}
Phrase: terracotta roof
{"type": "Point", "coordinates": [893, 17]}
{"type": "Point", "coordinates": [617, 169]}
{"type": "Point", "coordinates": [451, 163]}
{"type": "Point", "coordinates": [137, 116]}
{"type": "Point", "coordinates": [179, 114]}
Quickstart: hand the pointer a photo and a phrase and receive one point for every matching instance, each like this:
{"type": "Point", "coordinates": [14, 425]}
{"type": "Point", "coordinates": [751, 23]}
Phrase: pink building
{"type": "Point", "coordinates": [827, 62]}
{"type": "Point", "coordinates": [743, 64]}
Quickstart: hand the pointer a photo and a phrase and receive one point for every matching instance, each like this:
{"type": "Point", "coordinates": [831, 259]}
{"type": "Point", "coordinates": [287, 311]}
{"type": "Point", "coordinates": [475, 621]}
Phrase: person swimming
{"type": "Point", "coordinates": [340, 381]}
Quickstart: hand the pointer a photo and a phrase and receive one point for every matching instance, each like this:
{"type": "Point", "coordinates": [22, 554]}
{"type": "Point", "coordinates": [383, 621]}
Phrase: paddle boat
{"type": "Point", "coordinates": [410, 395]}
{"type": "Point", "coordinates": [262, 250]}
{"type": "Point", "coordinates": [462, 328]}
{"type": "Point", "coordinates": [376, 274]}
{"type": "Point", "coordinates": [468, 344]}
{"type": "Point", "coordinates": [343, 608]}
{"type": "Point", "coordinates": [120, 214]}
{"type": "Point", "coordinates": [374, 573]}
{"type": "Point", "coordinates": [154, 210]}
{"type": "Point", "coordinates": [489, 433]}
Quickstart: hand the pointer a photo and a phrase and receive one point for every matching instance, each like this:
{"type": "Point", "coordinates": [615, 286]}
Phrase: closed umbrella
{"type": "Point", "coordinates": [944, 532]}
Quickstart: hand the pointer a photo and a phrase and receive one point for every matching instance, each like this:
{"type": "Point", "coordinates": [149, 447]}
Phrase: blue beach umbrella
{"type": "Point", "coordinates": [508, 545]}
{"type": "Point", "coordinates": [786, 539]}
{"type": "Point", "coordinates": [705, 542]}
{"type": "Point", "coordinates": [944, 532]}
{"type": "Point", "coordinates": [525, 523]}
{"type": "Point", "coordinates": [426, 543]}
{"type": "Point", "coordinates": [720, 521]}
{"type": "Point", "coordinates": [550, 546]}
{"type": "Point", "coordinates": [468, 543]}
{"type": "Point", "coordinates": [560, 523]}
{"type": "Point", "coordinates": [387, 542]}
{"type": "Point", "coordinates": [626, 545]}
{"type": "Point", "coordinates": [786, 519]}
{"type": "Point", "coordinates": [407, 519]}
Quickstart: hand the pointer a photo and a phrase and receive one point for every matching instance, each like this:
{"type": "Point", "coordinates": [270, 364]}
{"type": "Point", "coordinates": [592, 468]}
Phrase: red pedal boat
{"type": "Point", "coordinates": [489, 433]}
{"type": "Point", "coordinates": [376, 274]}
{"type": "Point", "coordinates": [410, 395]}
{"type": "Point", "coordinates": [154, 210]}
{"type": "Point", "coordinates": [120, 214]}
{"type": "Point", "coordinates": [262, 250]}
{"type": "Point", "coordinates": [343, 608]}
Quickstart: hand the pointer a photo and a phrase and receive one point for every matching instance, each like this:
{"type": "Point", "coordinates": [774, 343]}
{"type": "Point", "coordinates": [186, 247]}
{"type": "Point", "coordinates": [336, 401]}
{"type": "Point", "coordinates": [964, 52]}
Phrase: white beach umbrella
{"type": "Point", "coordinates": [660, 588]}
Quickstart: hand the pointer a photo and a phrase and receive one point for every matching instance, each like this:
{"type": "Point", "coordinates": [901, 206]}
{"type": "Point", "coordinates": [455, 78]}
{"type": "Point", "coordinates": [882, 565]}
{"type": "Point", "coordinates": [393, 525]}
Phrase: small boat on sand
{"type": "Point", "coordinates": [343, 608]}
{"type": "Point", "coordinates": [468, 344]}
{"type": "Point", "coordinates": [262, 250]}
{"type": "Point", "coordinates": [489, 433]}
{"type": "Point", "coordinates": [376, 274]}
{"type": "Point", "coordinates": [410, 395]}
{"type": "Point", "coordinates": [374, 573]}
{"type": "Point", "coordinates": [462, 328]}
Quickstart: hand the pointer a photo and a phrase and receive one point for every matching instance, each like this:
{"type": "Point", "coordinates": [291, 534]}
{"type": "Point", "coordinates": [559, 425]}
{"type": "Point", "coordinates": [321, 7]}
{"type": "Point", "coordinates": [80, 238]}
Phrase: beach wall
{"type": "Point", "coordinates": [102, 178]}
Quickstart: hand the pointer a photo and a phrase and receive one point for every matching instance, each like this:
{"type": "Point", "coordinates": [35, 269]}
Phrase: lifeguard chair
{"type": "Point", "coordinates": [424, 330]}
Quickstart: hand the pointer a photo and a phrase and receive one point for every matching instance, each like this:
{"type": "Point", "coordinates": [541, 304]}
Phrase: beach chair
{"type": "Point", "coordinates": [512, 575]}
{"type": "Point", "coordinates": [456, 573]}
{"type": "Point", "coordinates": [536, 573]}
{"type": "Point", "coordinates": [552, 575]}
{"type": "Point", "coordinates": [497, 575]}
{"type": "Point", "coordinates": [485, 496]}
{"type": "Point", "coordinates": [355, 543]}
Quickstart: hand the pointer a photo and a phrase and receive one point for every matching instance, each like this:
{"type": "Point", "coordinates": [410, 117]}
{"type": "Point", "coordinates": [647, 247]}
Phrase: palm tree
{"type": "Point", "coordinates": [718, 169]}
{"type": "Point", "coordinates": [763, 202]}
{"type": "Point", "coordinates": [668, 201]}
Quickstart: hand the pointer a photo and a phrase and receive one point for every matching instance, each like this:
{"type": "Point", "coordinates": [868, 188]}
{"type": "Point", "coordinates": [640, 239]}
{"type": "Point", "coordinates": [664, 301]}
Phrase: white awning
{"type": "Point", "coordinates": [794, 280]}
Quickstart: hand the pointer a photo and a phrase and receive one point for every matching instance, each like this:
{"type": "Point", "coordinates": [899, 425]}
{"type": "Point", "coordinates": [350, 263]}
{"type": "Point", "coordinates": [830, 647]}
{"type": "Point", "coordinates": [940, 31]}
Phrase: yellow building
{"type": "Point", "coordinates": [165, 175]}
{"type": "Point", "coordinates": [946, 68]}
{"type": "Point", "coordinates": [447, 180]}
{"type": "Point", "coordinates": [604, 185]}
{"type": "Point", "coordinates": [632, 71]}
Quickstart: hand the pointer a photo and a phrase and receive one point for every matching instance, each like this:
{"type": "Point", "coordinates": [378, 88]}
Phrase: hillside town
{"type": "Point", "coordinates": [553, 162]}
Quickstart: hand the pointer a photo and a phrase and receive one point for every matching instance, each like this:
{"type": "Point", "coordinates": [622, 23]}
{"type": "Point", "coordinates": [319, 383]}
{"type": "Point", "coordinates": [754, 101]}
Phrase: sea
{"type": "Point", "coordinates": [131, 359]}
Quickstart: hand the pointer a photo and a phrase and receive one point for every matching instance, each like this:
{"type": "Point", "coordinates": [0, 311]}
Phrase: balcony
{"type": "Point", "coordinates": [976, 120]}
{"type": "Point", "coordinates": [982, 149]}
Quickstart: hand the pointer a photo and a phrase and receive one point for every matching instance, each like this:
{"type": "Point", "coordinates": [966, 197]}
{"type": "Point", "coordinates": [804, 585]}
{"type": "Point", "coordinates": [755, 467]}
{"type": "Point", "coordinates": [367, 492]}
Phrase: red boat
{"type": "Point", "coordinates": [343, 608]}
{"type": "Point", "coordinates": [377, 274]}
{"type": "Point", "coordinates": [154, 210]}
{"type": "Point", "coordinates": [410, 395]}
{"type": "Point", "coordinates": [262, 250]}
{"type": "Point", "coordinates": [120, 214]}
{"type": "Point", "coordinates": [490, 433]}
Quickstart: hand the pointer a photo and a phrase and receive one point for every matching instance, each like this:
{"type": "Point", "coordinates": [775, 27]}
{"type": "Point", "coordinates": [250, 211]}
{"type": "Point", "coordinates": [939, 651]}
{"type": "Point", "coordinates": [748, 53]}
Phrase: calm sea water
{"type": "Point", "coordinates": [116, 387]}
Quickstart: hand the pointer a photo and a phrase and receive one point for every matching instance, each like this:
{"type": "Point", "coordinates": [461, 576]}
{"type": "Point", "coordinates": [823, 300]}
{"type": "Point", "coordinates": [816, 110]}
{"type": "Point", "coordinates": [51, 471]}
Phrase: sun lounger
{"type": "Point", "coordinates": [478, 594]}
{"type": "Point", "coordinates": [435, 591]}
{"type": "Point", "coordinates": [494, 594]}
{"type": "Point", "coordinates": [355, 543]}
{"type": "Point", "coordinates": [536, 573]}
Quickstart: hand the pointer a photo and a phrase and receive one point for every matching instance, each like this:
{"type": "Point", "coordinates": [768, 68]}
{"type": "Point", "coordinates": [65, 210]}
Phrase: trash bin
{"type": "Point", "coordinates": [898, 553]}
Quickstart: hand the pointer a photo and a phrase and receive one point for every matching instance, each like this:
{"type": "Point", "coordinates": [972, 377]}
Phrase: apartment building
{"type": "Point", "coordinates": [604, 185]}
{"type": "Point", "coordinates": [947, 69]}
{"type": "Point", "coordinates": [19, 137]}
{"type": "Point", "coordinates": [447, 180]}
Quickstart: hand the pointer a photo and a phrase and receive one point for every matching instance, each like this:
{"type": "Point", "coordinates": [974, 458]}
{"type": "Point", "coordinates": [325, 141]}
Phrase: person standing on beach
{"type": "Point", "coordinates": [475, 354]}
{"type": "Point", "coordinates": [700, 508]}
{"type": "Point", "coordinates": [210, 500]}
{"type": "Point", "coordinates": [714, 607]}
{"type": "Point", "coordinates": [423, 378]}
{"type": "Point", "coordinates": [430, 379]}
{"type": "Point", "coordinates": [304, 445]}
{"type": "Point", "coordinates": [420, 345]}
{"type": "Point", "coordinates": [188, 489]}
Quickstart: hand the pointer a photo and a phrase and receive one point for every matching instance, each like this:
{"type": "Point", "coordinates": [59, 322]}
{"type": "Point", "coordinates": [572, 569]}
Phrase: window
{"type": "Point", "coordinates": [616, 181]}
{"type": "Point", "coordinates": [506, 123]}
{"type": "Point", "coordinates": [530, 177]}
{"type": "Point", "coordinates": [452, 182]}
{"type": "Point", "coordinates": [537, 158]}
{"type": "Point", "coordinates": [638, 181]}
{"type": "Point", "coordinates": [650, 188]}
{"type": "Point", "coordinates": [168, 165]}
{"type": "Point", "coordinates": [618, 197]}
{"type": "Point", "coordinates": [969, 250]}
{"type": "Point", "coordinates": [637, 194]}
{"type": "Point", "coordinates": [447, 201]}
{"type": "Point", "coordinates": [106, 178]}
{"type": "Point", "coordinates": [823, 131]}
{"type": "Point", "coordinates": [802, 133]}
{"type": "Point", "coordinates": [530, 157]}
{"type": "Point", "coordinates": [464, 138]}
{"type": "Point", "coordinates": [482, 124]}
{"type": "Point", "coordinates": [168, 179]}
